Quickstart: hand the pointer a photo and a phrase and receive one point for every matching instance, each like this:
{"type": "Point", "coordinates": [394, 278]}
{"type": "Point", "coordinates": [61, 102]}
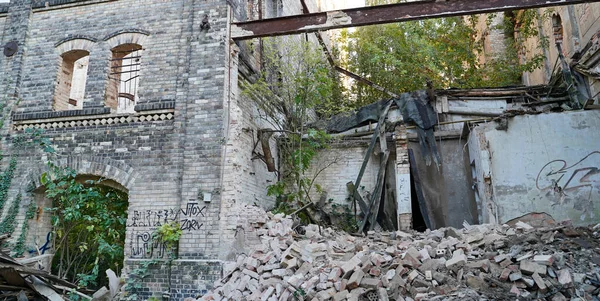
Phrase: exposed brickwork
{"type": "Point", "coordinates": [186, 154]}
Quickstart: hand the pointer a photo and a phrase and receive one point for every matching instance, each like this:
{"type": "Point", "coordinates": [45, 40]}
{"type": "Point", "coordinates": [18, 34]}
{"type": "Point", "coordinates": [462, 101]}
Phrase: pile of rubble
{"type": "Point", "coordinates": [482, 262]}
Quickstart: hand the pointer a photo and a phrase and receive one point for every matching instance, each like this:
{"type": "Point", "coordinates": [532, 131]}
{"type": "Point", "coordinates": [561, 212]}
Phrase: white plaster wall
{"type": "Point", "coordinates": [537, 150]}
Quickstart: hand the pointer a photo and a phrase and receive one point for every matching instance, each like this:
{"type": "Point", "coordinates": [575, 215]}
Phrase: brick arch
{"type": "Point", "coordinates": [128, 37]}
{"type": "Point", "coordinates": [75, 43]}
{"type": "Point", "coordinates": [102, 167]}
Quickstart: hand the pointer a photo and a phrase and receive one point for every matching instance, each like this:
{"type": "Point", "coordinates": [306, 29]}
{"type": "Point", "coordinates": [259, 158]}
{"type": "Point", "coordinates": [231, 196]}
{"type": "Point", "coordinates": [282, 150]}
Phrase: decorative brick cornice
{"type": "Point", "coordinates": [94, 120]}
{"type": "Point", "coordinates": [151, 106]}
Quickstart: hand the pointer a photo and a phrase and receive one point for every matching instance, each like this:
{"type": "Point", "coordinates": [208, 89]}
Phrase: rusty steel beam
{"type": "Point", "coordinates": [390, 13]}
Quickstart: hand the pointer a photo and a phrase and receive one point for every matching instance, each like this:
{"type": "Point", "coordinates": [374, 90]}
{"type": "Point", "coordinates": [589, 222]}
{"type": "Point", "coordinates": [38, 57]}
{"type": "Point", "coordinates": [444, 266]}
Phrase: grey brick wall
{"type": "Point", "coordinates": [192, 134]}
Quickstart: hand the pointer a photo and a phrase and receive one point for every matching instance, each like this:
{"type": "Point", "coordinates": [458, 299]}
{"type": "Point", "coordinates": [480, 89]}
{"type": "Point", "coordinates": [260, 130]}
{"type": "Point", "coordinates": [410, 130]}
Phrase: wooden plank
{"type": "Point", "coordinates": [380, 123]}
{"type": "Point", "coordinates": [376, 211]}
{"type": "Point", "coordinates": [373, 211]}
{"type": "Point", "coordinates": [419, 189]}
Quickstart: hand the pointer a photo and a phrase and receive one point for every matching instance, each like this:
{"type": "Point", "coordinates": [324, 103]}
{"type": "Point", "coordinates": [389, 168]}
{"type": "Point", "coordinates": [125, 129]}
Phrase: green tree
{"type": "Point", "coordinates": [296, 86]}
{"type": "Point", "coordinates": [404, 56]}
{"type": "Point", "coordinates": [88, 226]}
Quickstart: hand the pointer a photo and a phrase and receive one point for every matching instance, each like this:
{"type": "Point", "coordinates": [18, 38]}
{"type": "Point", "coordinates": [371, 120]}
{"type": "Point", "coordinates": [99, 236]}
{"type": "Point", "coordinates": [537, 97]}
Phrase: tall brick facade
{"type": "Point", "coordinates": [185, 154]}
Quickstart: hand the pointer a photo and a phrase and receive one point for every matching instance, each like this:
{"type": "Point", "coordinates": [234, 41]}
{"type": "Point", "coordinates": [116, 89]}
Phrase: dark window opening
{"type": "Point", "coordinates": [125, 66]}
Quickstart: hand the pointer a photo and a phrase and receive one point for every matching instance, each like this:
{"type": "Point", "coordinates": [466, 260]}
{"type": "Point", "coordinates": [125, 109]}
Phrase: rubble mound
{"type": "Point", "coordinates": [479, 262]}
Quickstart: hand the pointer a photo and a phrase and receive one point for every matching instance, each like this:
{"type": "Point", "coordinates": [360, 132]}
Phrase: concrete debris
{"type": "Point", "coordinates": [480, 262]}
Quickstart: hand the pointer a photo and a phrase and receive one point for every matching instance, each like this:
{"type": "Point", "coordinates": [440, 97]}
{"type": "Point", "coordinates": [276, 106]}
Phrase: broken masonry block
{"type": "Point", "coordinates": [530, 267]}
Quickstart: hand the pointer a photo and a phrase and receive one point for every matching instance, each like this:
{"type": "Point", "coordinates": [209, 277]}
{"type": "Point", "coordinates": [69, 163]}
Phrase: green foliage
{"type": "Point", "coordinates": [20, 245]}
{"type": "Point", "coordinates": [402, 57]}
{"type": "Point", "coordinates": [296, 85]}
{"type": "Point", "coordinates": [6, 180]}
{"type": "Point", "coordinates": [169, 235]}
{"type": "Point", "coordinates": [343, 217]}
{"type": "Point", "coordinates": [7, 226]}
{"type": "Point", "coordinates": [88, 225]}
{"type": "Point", "coordinates": [135, 279]}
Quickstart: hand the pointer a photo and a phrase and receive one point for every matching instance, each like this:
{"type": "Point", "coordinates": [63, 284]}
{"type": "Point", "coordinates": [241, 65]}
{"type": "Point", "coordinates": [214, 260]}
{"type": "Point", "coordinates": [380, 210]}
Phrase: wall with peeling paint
{"type": "Point", "coordinates": [542, 163]}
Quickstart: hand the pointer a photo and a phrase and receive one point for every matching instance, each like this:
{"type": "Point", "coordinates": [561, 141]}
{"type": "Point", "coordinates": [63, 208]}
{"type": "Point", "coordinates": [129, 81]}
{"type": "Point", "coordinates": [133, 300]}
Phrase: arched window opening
{"type": "Point", "coordinates": [82, 221]}
{"type": "Point", "coordinates": [125, 66]}
{"type": "Point", "coordinates": [557, 28]}
{"type": "Point", "coordinates": [71, 79]}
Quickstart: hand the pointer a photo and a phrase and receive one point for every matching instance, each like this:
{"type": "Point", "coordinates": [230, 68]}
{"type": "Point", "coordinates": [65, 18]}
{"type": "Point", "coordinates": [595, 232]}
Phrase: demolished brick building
{"type": "Point", "coordinates": [145, 94]}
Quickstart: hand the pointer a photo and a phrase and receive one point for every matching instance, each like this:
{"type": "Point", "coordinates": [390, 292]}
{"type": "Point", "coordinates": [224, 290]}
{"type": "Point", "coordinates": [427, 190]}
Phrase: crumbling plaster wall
{"type": "Point", "coordinates": [580, 22]}
{"type": "Point", "coordinates": [542, 163]}
{"type": "Point", "coordinates": [340, 164]}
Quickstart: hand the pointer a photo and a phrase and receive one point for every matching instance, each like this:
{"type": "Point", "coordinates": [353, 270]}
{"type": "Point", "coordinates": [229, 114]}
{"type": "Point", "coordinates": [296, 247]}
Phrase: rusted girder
{"type": "Point", "coordinates": [400, 12]}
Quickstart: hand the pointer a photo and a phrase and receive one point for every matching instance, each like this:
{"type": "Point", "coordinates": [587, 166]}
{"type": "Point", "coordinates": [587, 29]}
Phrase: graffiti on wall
{"type": "Point", "coordinates": [141, 242]}
{"type": "Point", "coordinates": [573, 184]}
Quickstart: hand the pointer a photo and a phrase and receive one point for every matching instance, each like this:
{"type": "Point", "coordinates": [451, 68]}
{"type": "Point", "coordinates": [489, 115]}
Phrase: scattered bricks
{"type": "Point", "coordinates": [539, 282]}
{"type": "Point", "coordinates": [306, 266]}
{"type": "Point", "coordinates": [440, 252]}
{"type": "Point", "coordinates": [505, 274]}
{"type": "Point", "coordinates": [413, 252]}
{"type": "Point", "coordinates": [243, 282]}
{"type": "Point", "coordinates": [355, 295]}
{"type": "Point", "coordinates": [250, 273]}
{"type": "Point", "coordinates": [289, 263]}
{"type": "Point", "coordinates": [295, 280]}
{"type": "Point", "coordinates": [559, 297]}
{"type": "Point", "coordinates": [413, 275]}
{"type": "Point", "coordinates": [326, 294]}
{"type": "Point", "coordinates": [279, 272]}
{"type": "Point", "coordinates": [355, 279]}
{"type": "Point", "coordinates": [340, 285]}
{"type": "Point", "coordinates": [428, 275]}
{"type": "Point", "coordinates": [544, 259]}
{"type": "Point", "coordinates": [564, 277]}
{"type": "Point", "coordinates": [251, 263]}
{"type": "Point", "coordinates": [529, 268]}
{"type": "Point", "coordinates": [375, 272]}
{"type": "Point", "coordinates": [340, 295]}
{"type": "Point", "coordinates": [515, 290]}
{"type": "Point", "coordinates": [458, 259]}
{"type": "Point", "coordinates": [424, 254]}
{"type": "Point", "coordinates": [506, 262]}
{"type": "Point", "coordinates": [475, 282]}
{"type": "Point", "coordinates": [482, 265]}
{"type": "Point", "coordinates": [351, 264]}
{"type": "Point", "coordinates": [420, 283]}
{"type": "Point", "coordinates": [578, 277]}
{"type": "Point", "coordinates": [523, 226]}
{"type": "Point", "coordinates": [474, 237]}
{"type": "Point", "coordinates": [377, 259]}
{"type": "Point", "coordinates": [528, 282]}
{"type": "Point", "coordinates": [515, 276]}
{"type": "Point", "coordinates": [267, 293]}
{"type": "Point", "coordinates": [500, 258]}
{"type": "Point", "coordinates": [383, 295]}
{"type": "Point", "coordinates": [411, 261]}
{"type": "Point", "coordinates": [390, 274]}
{"type": "Point", "coordinates": [551, 272]}
{"type": "Point", "coordinates": [371, 283]}
{"type": "Point", "coordinates": [335, 274]}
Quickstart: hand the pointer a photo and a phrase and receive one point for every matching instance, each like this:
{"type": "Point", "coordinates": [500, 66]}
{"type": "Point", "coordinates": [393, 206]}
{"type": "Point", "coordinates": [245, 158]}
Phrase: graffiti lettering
{"type": "Point", "coordinates": [578, 182]}
{"type": "Point", "coordinates": [142, 245]}
{"type": "Point", "coordinates": [190, 224]}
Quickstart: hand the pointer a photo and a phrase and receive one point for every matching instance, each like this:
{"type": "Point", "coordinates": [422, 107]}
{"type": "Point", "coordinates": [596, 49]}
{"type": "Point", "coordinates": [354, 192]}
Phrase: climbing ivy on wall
{"type": "Point", "coordinates": [19, 248]}
{"type": "Point", "coordinates": [7, 226]}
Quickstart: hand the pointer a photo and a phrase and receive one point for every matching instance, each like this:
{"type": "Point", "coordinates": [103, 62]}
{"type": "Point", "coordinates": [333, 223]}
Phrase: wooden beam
{"type": "Point", "coordinates": [380, 14]}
